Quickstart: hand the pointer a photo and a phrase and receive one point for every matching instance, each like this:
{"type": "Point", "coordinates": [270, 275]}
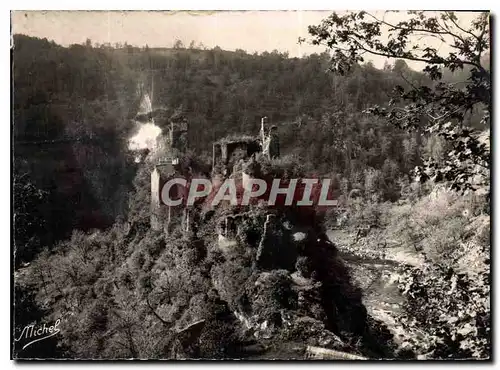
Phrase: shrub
{"type": "Point", "coordinates": [453, 309]}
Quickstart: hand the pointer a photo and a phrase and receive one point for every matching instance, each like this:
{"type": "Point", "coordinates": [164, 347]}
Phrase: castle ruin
{"type": "Point", "coordinates": [170, 150]}
{"type": "Point", "coordinates": [227, 154]}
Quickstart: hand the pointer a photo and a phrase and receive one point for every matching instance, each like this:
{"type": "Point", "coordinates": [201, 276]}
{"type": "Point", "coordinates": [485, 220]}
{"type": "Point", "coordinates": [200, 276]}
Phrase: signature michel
{"type": "Point", "coordinates": [34, 333]}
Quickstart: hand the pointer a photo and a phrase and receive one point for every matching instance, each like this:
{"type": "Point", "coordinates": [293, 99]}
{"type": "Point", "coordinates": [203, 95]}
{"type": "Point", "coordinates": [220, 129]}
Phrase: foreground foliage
{"type": "Point", "coordinates": [438, 107]}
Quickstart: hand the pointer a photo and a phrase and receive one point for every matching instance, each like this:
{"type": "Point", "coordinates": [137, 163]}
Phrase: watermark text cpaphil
{"type": "Point", "coordinates": [290, 192]}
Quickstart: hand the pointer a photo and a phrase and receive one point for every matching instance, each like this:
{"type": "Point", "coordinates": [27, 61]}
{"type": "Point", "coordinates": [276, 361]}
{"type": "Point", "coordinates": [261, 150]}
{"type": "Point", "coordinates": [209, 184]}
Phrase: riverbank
{"type": "Point", "coordinates": [424, 272]}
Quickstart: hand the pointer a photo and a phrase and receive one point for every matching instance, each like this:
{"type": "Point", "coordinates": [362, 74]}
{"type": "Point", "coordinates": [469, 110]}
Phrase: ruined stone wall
{"type": "Point", "coordinates": [271, 145]}
{"type": "Point", "coordinates": [227, 154]}
{"type": "Point", "coordinates": [178, 138]}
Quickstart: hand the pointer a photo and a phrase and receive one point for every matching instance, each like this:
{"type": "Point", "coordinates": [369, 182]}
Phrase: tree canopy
{"type": "Point", "coordinates": [439, 107]}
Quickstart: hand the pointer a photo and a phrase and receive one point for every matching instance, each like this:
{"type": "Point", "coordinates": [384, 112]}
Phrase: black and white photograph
{"type": "Point", "coordinates": [290, 185]}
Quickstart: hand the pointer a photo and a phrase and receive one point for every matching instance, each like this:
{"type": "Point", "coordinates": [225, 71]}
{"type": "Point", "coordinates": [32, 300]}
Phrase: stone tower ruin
{"type": "Point", "coordinates": [270, 141]}
{"type": "Point", "coordinates": [172, 147]}
{"type": "Point", "coordinates": [178, 137]}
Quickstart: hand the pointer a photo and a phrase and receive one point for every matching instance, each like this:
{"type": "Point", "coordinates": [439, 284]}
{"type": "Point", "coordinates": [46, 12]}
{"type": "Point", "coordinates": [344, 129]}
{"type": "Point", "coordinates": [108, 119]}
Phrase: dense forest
{"type": "Point", "coordinates": [73, 110]}
{"type": "Point", "coordinates": [81, 202]}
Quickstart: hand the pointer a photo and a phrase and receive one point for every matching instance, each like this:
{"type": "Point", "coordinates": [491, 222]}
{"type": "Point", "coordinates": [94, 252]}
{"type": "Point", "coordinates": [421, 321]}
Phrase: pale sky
{"type": "Point", "coordinates": [251, 30]}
